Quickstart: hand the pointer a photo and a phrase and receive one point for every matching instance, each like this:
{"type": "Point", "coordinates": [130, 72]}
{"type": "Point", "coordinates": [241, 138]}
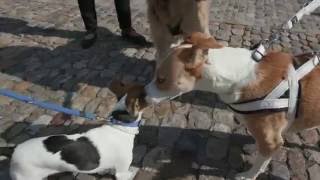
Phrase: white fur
{"type": "Point", "coordinates": [228, 69]}
{"type": "Point", "coordinates": [32, 161]}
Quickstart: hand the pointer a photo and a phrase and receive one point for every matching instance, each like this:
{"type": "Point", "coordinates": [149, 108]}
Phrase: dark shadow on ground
{"type": "Point", "coordinates": [65, 66]}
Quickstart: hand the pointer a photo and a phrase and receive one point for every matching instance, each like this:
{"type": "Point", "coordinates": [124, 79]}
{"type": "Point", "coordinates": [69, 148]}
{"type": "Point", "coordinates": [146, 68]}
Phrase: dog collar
{"type": "Point", "coordinates": [133, 124]}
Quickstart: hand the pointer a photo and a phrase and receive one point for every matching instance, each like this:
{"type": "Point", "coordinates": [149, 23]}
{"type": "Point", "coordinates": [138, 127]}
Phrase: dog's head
{"type": "Point", "coordinates": [182, 68]}
{"type": "Point", "coordinates": [134, 103]}
{"type": "Point", "coordinates": [136, 100]}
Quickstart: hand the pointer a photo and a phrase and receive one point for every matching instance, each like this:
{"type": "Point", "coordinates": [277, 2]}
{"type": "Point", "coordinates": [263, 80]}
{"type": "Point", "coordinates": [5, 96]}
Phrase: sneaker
{"type": "Point", "coordinates": [88, 40]}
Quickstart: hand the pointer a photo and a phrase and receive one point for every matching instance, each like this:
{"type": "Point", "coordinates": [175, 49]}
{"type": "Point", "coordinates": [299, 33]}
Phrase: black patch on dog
{"type": "Point", "coordinates": [56, 143]}
{"type": "Point", "coordinates": [82, 153]}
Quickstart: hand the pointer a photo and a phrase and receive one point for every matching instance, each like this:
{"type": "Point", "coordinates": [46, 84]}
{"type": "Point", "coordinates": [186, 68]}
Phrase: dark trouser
{"type": "Point", "coordinates": [89, 15]}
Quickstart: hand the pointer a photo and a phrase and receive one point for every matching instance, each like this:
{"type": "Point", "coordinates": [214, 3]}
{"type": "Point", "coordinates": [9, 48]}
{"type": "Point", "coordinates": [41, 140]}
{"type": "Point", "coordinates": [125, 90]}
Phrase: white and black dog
{"type": "Point", "coordinates": [95, 151]}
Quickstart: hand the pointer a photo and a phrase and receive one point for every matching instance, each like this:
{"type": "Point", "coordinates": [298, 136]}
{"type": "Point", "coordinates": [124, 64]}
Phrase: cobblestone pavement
{"type": "Point", "coordinates": [194, 137]}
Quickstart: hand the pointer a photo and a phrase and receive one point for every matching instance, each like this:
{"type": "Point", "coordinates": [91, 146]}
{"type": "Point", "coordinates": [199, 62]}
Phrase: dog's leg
{"type": "Point", "coordinates": [122, 169]}
{"type": "Point", "coordinates": [267, 133]}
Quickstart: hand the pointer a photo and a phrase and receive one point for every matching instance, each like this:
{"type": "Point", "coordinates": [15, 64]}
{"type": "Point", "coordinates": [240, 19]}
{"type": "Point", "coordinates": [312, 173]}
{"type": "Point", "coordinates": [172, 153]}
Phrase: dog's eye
{"type": "Point", "coordinates": [160, 80]}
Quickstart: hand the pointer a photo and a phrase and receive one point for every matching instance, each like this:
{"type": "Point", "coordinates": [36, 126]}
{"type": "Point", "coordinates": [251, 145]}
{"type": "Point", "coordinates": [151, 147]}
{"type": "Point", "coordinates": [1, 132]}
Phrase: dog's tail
{"type": "Point", "coordinates": [7, 151]}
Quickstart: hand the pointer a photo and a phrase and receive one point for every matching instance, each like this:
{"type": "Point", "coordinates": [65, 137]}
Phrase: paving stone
{"type": "Point", "coordinates": [293, 139]}
{"type": "Point", "coordinates": [129, 51]}
{"type": "Point", "coordinates": [223, 116]}
{"type": "Point", "coordinates": [297, 163]}
{"type": "Point", "coordinates": [209, 173]}
{"type": "Point", "coordinates": [4, 170]}
{"type": "Point", "coordinates": [106, 93]}
{"type": "Point", "coordinates": [86, 177]}
{"type": "Point", "coordinates": [189, 141]}
{"type": "Point", "coordinates": [156, 158]}
{"type": "Point", "coordinates": [80, 102]}
{"type": "Point", "coordinates": [5, 100]}
{"type": "Point", "coordinates": [104, 109]}
{"type": "Point", "coordinates": [20, 138]}
{"type": "Point", "coordinates": [90, 91]}
{"type": "Point", "coordinates": [16, 130]}
{"type": "Point", "coordinates": [235, 158]}
{"type": "Point", "coordinates": [312, 155]}
{"type": "Point", "coordinates": [315, 46]}
{"type": "Point", "coordinates": [312, 39]}
{"type": "Point", "coordinates": [237, 31]}
{"type": "Point", "coordinates": [302, 36]}
{"type": "Point", "coordinates": [310, 137]}
{"type": "Point", "coordinates": [235, 41]}
{"type": "Point", "coordinates": [171, 127]}
{"type": "Point", "coordinates": [199, 120]}
{"type": "Point", "coordinates": [249, 148]}
{"type": "Point", "coordinates": [221, 130]}
{"type": "Point", "coordinates": [3, 143]}
{"type": "Point", "coordinates": [314, 172]}
{"type": "Point", "coordinates": [138, 154]}
{"type": "Point", "coordinates": [217, 149]}
{"type": "Point", "coordinates": [41, 122]}
{"type": "Point", "coordinates": [281, 155]}
{"type": "Point", "coordinates": [222, 35]}
{"type": "Point", "coordinates": [279, 170]}
{"type": "Point", "coordinates": [161, 110]}
{"type": "Point", "coordinates": [142, 174]}
{"type": "Point", "coordinates": [284, 39]}
{"type": "Point", "coordinates": [21, 86]}
{"type": "Point", "coordinates": [294, 37]}
{"type": "Point", "coordinates": [180, 108]}
{"type": "Point", "coordinates": [92, 105]}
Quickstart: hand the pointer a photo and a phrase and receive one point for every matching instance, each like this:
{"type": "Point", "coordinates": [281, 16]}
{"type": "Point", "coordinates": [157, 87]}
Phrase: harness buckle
{"type": "Point", "coordinates": [259, 52]}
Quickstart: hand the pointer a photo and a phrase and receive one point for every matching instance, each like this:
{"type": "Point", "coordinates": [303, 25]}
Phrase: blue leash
{"type": "Point", "coordinates": [47, 105]}
{"type": "Point", "coordinates": [59, 108]}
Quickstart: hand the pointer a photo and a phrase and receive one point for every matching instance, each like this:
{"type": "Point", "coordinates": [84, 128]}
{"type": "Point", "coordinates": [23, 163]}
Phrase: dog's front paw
{"type": "Point", "coordinates": [244, 176]}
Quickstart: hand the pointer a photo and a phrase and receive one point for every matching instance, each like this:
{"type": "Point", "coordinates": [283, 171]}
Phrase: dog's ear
{"type": "Point", "coordinates": [202, 41]}
{"type": "Point", "coordinates": [135, 100]}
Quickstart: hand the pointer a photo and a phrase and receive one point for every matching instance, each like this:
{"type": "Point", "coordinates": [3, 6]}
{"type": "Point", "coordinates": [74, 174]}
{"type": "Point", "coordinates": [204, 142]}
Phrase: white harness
{"type": "Point", "coordinates": [273, 101]}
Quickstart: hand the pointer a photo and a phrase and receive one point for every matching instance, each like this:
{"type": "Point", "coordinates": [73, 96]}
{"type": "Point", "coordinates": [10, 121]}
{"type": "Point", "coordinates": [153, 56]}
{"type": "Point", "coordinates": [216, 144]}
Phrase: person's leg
{"type": "Point", "coordinates": [123, 13]}
{"type": "Point", "coordinates": [124, 19]}
{"type": "Point", "coordinates": [89, 16]}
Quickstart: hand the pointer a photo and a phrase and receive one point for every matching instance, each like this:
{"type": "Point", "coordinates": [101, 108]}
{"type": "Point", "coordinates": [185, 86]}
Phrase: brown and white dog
{"type": "Point", "coordinates": [203, 64]}
{"type": "Point", "coordinates": [172, 19]}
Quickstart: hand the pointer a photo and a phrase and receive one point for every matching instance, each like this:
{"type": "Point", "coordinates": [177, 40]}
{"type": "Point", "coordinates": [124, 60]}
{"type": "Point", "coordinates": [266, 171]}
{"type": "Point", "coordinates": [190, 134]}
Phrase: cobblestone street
{"type": "Point", "coordinates": [191, 138]}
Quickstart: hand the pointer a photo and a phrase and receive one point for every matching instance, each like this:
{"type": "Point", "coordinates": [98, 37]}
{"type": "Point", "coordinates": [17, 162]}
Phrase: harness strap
{"type": "Point", "coordinates": [293, 83]}
{"type": "Point", "coordinates": [300, 73]}
{"type": "Point", "coordinates": [306, 10]}
{"type": "Point", "coordinates": [261, 105]}
{"type": "Point", "coordinates": [273, 101]}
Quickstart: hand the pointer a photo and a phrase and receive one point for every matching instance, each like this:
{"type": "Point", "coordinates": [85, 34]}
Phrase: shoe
{"type": "Point", "coordinates": [88, 40]}
{"type": "Point", "coordinates": [132, 36]}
